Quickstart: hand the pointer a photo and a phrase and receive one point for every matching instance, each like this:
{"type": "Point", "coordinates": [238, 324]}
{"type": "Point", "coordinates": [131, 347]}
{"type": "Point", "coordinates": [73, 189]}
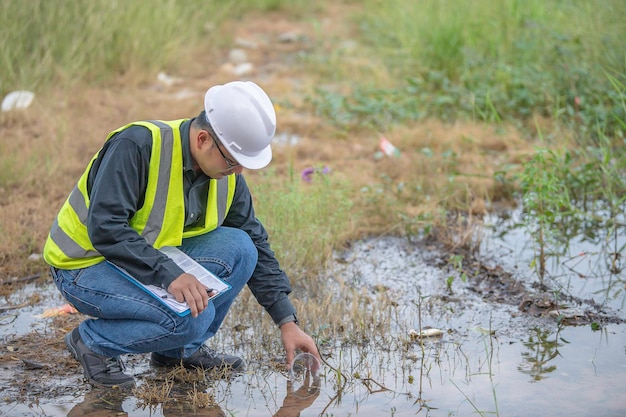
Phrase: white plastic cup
{"type": "Point", "coordinates": [304, 365]}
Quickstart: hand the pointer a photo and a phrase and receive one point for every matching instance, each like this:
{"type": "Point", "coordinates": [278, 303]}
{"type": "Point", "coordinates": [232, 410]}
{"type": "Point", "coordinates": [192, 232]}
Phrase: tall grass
{"type": "Point", "coordinates": [45, 42]}
{"type": "Point", "coordinates": [569, 193]}
{"type": "Point", "coordinates": [493, 61]}
{"type": "Point", "coordinates": [306, 220]}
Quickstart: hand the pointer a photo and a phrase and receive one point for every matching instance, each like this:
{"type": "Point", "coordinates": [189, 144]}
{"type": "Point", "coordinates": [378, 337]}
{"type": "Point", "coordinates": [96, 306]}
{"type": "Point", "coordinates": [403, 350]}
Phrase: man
{"type": "Point", "coordinates": [170, 183]}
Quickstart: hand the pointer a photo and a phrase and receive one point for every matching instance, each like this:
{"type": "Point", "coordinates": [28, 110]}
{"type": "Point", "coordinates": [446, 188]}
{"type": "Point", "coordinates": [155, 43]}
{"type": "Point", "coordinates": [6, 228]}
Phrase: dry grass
{"type": "Point", "coordinates": [45, 148]}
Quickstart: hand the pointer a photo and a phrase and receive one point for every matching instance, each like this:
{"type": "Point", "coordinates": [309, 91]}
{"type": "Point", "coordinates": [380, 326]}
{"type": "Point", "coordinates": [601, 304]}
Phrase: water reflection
{"type": "Point", "coordinates": [110, 403]}
{"type": "Point", "coordinates": [100, 403]}
{"type": "Point", "coordinates": [542, 347]}
{"type": "Point", "coordinates": [299, 398]}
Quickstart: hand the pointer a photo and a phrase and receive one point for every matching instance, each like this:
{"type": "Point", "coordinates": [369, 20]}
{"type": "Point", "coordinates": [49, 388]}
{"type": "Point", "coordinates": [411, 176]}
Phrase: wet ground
{"type": "Point", "coordinates": [507, 346]}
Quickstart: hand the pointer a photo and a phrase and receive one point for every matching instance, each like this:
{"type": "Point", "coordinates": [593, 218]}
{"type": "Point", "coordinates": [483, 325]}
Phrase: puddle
{"type": "Point", "coordinates": [492, 358]}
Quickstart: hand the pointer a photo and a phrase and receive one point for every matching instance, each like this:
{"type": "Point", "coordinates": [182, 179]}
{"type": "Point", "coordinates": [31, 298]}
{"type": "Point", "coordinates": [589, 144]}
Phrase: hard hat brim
{"type": "Point", "coordinates": [252, 162]}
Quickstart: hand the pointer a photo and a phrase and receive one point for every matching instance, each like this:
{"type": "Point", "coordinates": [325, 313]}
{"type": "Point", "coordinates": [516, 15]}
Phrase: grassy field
{"type": "Point", "coordinates": [489, 103]}
{"type": "Point", "coordinates": [505, 81]}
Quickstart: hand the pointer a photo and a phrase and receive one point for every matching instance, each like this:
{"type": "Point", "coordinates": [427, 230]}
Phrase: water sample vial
{"type": "Point", "coordinates": [304, 366]}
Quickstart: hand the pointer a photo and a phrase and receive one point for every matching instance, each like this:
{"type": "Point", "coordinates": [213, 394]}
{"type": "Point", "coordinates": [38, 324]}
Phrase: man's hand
{"type": "Point", "coordinates": [294, 338]}
{"type": "Point", "coordinates": [186, 288]}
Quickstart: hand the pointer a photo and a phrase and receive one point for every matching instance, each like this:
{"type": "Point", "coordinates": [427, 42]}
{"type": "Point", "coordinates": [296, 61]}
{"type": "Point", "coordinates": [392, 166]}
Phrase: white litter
{"type": "Point", "coordinates": [431, 332]}
{"type": "Point", "coordinates": [168, 80]}
{"type": "Point", "coordinates": [19, 99]}
{"type": "Point", "coordinates": [243, 69]}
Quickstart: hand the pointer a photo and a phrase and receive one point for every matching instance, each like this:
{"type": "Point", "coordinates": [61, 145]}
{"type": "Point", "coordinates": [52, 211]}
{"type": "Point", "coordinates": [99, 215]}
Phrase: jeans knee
{"type": "Point", "coordinates": [224, 251]}
{"type": "Point", "coordinates": [242, 250]}
{"type": "Point", "coordinates": [248, 252]}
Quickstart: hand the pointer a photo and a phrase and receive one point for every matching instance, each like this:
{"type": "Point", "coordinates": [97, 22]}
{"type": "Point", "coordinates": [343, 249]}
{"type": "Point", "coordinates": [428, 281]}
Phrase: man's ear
{"type": "Point", "coordinates": [202, 139]}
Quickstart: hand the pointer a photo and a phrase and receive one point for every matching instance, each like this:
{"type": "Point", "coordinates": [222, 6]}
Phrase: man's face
{"type": "Point", "coordinates": [212, 159]}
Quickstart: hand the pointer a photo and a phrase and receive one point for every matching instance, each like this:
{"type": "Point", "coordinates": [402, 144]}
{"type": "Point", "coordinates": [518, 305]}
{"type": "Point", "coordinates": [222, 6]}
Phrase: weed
{"type": "Point", "coordinates": [457, 263]}
{"type": "Point", "coordinates": [305, 220]}
{"type": "Point", "coordinates": [546, 200]}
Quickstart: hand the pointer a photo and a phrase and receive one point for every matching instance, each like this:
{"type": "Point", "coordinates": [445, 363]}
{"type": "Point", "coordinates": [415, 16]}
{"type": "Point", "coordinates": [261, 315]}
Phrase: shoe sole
{"type": "Point", "coordinates": [70, 346]}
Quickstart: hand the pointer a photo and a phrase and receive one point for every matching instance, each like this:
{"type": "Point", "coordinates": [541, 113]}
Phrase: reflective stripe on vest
{"type": "Point", "coordinates": [66, 251]}
{"type": "Point", "coordinates": [153, 226]}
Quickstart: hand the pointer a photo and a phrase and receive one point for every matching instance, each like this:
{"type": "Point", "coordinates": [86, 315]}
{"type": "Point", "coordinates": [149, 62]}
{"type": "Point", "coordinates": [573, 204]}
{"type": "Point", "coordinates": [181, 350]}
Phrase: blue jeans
{"type": "Point", "coordinates": [127, 320]}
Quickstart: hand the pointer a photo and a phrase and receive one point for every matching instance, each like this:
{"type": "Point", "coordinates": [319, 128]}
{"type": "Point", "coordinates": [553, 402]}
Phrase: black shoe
{"type": "Point", "coordinates": [100, 370]}
{"type": "Point", "coordinates": [205, 358]}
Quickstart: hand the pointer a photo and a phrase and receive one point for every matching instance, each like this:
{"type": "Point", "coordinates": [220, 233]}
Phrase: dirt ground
{"type": "Point", "coordinates": [54, 138]}
{"type": "Point", "coordinates": [75, 119]}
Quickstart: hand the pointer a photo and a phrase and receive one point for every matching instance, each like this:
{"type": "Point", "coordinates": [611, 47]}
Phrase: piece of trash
{"type": "Point", "coordinates": [388, 148]}
{"type": "Point", "coordinates": [425, 333]}
{"type": "Point", "coordinates": [307, 173]}
{"type": "Point", "coordinates": [285, 139]}
{"type": "Point", "coordinates": [237, 56]}
{"type": "Point", "coordinates": [167, 80]}
{"type": "Point", "coordinates": [243, 68]}
{"type": "Point", "coordinates": [289, 37]}
{"type": "Point", "coordinates": [34, 257]}
{"type": "Point", "coordinates": [19, 99]}
{"type": "Point", "coordinates": [31, 366]}
{"type": "Point", "coordinates": [58, 311]}
{"type": "Point", "coordinates": [245, 43]}
{"type": "Point", "coordinates": [482, 330]}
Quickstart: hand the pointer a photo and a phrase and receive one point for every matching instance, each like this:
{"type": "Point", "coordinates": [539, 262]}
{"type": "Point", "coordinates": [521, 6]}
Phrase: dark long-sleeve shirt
{"type": "Point", "coordinates": [116, 186]}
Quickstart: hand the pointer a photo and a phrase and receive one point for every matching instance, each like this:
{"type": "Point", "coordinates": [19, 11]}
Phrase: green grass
{"type": "Point", "coordinates": [44, 42]}
{"type": "Point", "coordinates": [306, 220]}
{"type": "Point", "coordinates": [509, 61]}
{"type": "Point", "coordinates": [505, 60]}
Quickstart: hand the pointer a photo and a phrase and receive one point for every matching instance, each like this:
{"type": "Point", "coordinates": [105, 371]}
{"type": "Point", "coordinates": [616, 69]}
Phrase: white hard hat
{"type": "Point", "coordinates": [244, 119]}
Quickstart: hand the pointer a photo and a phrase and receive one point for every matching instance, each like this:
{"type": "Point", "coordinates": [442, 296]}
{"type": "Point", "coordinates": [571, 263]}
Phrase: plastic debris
{"type": "Point", "coordinates": [31, 365]}
{"type": "Point", "coordinates": [425, 333]}
{"type": "Point", "coordinates": [58, 311]}
{"type": "Point", "coordinates": [245, 43]}
{"type": "Point", "coordinates": [388, 148]}
{"type": "Point", "coordinates": [15, 100]}
{"type": "Point", "coordinates": [237, 56]}
{"type": "Point", "coordinates": [307, 173]}
{"type": "Point", "coordinates": [289, 37]}
{"type": "Point", "coordinates": [168, 80]}
{"type": "Point", "coordinates": [285, 139]}
{"type": "Point", "coordinates": [35, 257]}
{"type": "Point", "coordinates": [243, 69]}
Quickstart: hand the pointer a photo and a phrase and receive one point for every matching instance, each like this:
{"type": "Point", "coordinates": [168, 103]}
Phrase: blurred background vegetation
{"type": "Point", "coordinates": [554, 69]}
{"type": "Point", "coordinates": [488, 60]}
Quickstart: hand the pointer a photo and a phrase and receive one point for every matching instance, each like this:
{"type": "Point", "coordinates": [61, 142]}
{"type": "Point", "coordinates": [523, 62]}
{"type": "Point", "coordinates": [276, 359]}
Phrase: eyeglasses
{"type": "Point", "coordinates": [229, 162]}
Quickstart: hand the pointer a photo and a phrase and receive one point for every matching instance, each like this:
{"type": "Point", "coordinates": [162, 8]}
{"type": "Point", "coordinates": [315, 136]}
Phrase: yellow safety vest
{"type": "Point", "coordinates": [161, 220]}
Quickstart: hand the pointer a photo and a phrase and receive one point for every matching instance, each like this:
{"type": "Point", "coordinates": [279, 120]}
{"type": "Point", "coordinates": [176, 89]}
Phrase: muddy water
{"type": "Point", "coordinates": [492, 359]}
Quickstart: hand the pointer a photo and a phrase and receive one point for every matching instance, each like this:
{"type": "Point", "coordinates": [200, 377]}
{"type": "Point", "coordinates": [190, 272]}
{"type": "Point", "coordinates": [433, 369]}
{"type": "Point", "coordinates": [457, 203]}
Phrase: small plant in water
{"type": "Point", "coordinates": [457, 263]}
{"type": "Point", "coordinates": [546, 200]}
